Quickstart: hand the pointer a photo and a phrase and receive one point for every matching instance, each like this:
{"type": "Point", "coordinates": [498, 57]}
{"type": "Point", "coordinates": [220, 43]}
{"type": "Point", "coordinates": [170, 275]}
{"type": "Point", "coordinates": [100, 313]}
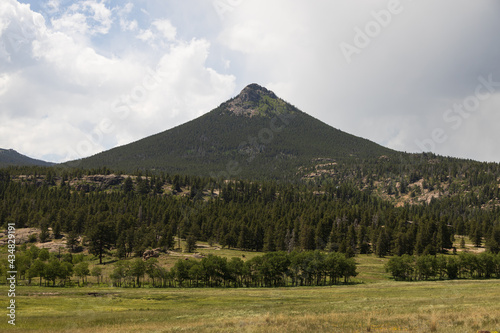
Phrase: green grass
{"type": "Point", "coordinates": [374, 304]}
{"type": "Point", "coordinates": [371, 269]}
{"type": "Point", "coordinates": [443, 306]}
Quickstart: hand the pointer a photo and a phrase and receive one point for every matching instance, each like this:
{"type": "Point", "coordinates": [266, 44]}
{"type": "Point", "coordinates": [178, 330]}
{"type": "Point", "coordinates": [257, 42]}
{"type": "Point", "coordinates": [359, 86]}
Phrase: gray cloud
{"type": "Point", "coordinates": [397, 88]}
{"type": "Point", "coordinates": [418, 63]}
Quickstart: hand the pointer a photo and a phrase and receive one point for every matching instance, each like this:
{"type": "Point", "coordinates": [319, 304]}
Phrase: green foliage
{"type": "Point", "coordinates": [190, 243]}
{"type": "Point", "coordinates": [82, 270]}
{"type": "Point", "coordinates": [250, 215]}
{"type": "Point", "coordinates": [493, 240]}
{"type": "Point", "coordinates": [101, 238]}
{"type": "Point", "coordinates": [128, 185]}
{"type": "Point", "coordinates": [429, 267]}
{"type": "Point", "coordinates": [274, 269]}
{"type": "Point", "coordinates": [96, 272]}
{"type": "Point", "coordinates": [44, 255]}
{"type": "Point", "coordinates": [137, 270]}
{"type": "Point", "coordinates": [44, 234]}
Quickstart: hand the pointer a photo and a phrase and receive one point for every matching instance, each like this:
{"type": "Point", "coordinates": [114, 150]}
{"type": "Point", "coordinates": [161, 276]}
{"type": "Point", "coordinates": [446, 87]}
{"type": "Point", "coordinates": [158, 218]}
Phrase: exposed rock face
{"type": "Point", "coordinates": [247, 102]}
{"type": "Point", "coordinates": [93, 182]}
{"type": "Point", "coordinates": [254, 92]}
{"type": "Point", "coordinates": [155, 253]}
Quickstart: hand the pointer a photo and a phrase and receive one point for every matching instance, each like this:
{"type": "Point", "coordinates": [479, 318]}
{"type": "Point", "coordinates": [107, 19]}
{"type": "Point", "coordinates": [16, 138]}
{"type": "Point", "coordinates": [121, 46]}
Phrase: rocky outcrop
{"type": "Point", "coordinates": [94, 182]}
{"type": "Point", "coordinates": [247, 102]}
{"type": "Point", "coordinates": [155, 253]}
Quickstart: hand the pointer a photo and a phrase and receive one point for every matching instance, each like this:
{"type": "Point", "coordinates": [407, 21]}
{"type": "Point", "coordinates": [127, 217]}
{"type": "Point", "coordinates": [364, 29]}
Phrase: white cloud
{"type": "Point", "coordinates": [166, 28]}
{"type": "Point", "coordinates": [146, 35]}
{"type": "Point", "coordinates": [125, 23]}
{"type": "Point", "coordinates": [395, 89]}
{"type": "Point", "coordinates": [160, 34]}
{"type": "Point", "coordinates": [19, 26]}
{"type": "Point", "coordinates": [181, 83]}
{"type": "Point", "coordinates": [74, 23]}
{"type": "Point", "coordinates": [66, 103]}
{"type": "Point", "coordinates": [4, 83]}
{"type": "Point", "coordinates": [94, 53]}
{"type": "Point", "coordinates": [53, 6]}
{"type": "Point", "coordinates": [88, 17]}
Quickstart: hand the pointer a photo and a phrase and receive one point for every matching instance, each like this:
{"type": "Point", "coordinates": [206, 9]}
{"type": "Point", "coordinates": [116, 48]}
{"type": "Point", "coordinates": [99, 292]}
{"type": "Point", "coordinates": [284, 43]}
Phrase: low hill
{"type": "Point", "coordinates": [10, 157]}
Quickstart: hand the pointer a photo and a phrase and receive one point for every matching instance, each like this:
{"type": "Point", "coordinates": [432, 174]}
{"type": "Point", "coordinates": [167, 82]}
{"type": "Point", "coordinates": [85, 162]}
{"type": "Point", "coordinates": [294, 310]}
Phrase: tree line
{"type": "Point", "coordinates": [427, 267]}
{"type": "Point", "coordinates": [33, 263]}
{"type": "Point", "coordinates": [273, 269]}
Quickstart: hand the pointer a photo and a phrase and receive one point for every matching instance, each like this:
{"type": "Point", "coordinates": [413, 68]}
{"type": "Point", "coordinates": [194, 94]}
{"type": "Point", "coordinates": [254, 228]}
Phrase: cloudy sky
{"type": "Point", "coordinates": [79, 77]}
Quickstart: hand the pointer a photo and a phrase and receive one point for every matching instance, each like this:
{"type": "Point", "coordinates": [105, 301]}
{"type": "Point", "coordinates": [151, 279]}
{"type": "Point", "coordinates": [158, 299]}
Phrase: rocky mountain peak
{"type": "Point", "coordinates": [253, 93]}
{"type": "Point", "coordinates": [254, 100]}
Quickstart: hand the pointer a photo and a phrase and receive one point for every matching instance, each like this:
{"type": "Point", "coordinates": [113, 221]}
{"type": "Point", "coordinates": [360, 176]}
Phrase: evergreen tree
{"type": "Point", "coordinates": [269, 242]}
{"type": "Point", "coordinates": [121, 247]}
{"type": "Point", "coordinates": [101, 238]}
{"type": "Point", "coordinates": [493, 240]}
{"type": "Point", "coordinates": [462, 243]}
{"type": "Point", "coordinates": [190, 243]}
{"type": "Point", "coordinates": [72, 241]}
{"type": "Point", "coordinates": [383, 244]}
{"type": "Point", "coordinates": [128, 185]}
{"type": "Point", "coordinates": [57, 230]}
{"type": "Point", "coordinates": [477, 237]}
{"type": "Point", "coordinates": [44, 235]}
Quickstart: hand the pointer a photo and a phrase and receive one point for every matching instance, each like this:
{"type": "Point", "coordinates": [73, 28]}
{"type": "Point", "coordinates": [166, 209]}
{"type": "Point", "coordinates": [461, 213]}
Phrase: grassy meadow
{"type": "Point", "coordinates": [373, 304]}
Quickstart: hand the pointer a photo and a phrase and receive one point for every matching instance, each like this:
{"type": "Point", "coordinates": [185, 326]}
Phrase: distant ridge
{"type": "Point", "coordinates": [254, 135]}
{"type": "Point", "coordinates": [10, 157]}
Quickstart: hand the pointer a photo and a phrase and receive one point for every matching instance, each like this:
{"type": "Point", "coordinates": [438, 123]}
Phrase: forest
{"type": "Point", "coordinates": [124, 215]}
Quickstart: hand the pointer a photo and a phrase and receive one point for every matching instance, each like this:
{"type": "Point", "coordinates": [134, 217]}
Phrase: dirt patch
{"type": "Point", "coordinates": [54, 245]}
{"type": "Point", "coordinates": [22, 235]}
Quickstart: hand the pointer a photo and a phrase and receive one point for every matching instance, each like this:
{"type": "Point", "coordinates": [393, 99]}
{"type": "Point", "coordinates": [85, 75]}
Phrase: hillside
{"type": "Point", "coordinates": [10, 157]}
{"type": "Point", "coordinates": [255, 135]}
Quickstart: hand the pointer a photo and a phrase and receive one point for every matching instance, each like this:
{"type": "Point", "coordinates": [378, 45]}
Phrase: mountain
{"type": "Point", "coordinates": [10, 157]}
{"type": "Point", "coordinates": [253, 135]}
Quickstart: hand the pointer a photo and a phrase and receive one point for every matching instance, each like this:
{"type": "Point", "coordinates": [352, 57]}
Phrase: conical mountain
{"type": "Point", "coordinates": [253, 135]}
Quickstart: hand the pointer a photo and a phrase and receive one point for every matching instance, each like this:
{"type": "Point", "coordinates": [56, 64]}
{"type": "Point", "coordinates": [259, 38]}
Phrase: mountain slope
{"type": "Point", "coordinates": [254, 135]}
{"type": "Point", "coordinates": [10, 157]}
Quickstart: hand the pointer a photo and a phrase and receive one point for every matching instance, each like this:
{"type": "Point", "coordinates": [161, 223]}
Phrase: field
{"type": "Point", "coordinates": [374, 304]}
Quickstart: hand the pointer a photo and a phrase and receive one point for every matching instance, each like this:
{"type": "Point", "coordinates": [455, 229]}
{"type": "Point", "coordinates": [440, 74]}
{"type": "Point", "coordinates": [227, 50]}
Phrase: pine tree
{"type": "Point", "coordinates": [190, 243]}
{"type": "Point", "coordinates": [101, 237]}
{"type": "Point", "coordinates": [462, 243]}
{"type": "Point", "coordinates": [269, 244]}
{"type": "Point", "coordinates": [121, 248]}
{"type": "Point", "coordinates": [383, 244]}
{"type": "Point", "coordinates": [57, 230]}
{"type": "Point", "coordinates": [44, 233]}
{"type": "Point", "coordinates": [72, 241]}
{"type": "Point", "coordinates": [128, 185]}
{"type": "Point", "coordinates": [477, 237]}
